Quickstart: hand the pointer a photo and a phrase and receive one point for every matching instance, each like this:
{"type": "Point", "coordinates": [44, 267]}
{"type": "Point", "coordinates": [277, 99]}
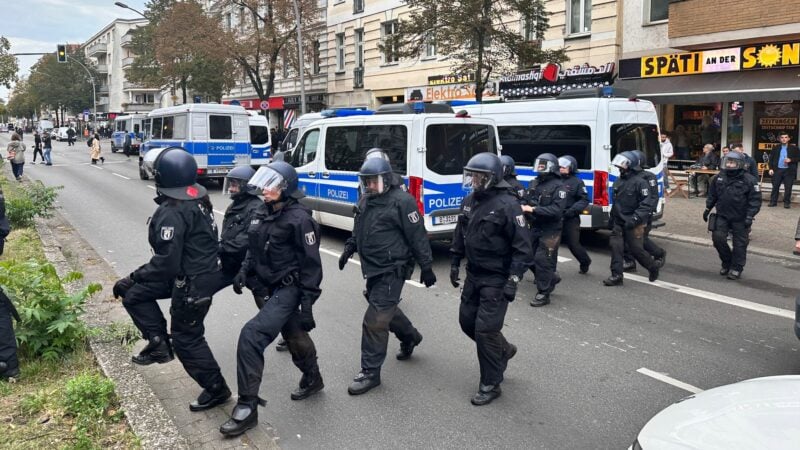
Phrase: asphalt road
{"type": "Point", "coordinates": [587, 371]}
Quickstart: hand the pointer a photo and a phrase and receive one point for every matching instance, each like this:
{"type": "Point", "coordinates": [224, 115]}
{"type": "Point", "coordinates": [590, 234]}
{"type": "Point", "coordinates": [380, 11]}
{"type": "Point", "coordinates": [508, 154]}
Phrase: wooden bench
{"type": "Point", "coordinates": [677, 187]}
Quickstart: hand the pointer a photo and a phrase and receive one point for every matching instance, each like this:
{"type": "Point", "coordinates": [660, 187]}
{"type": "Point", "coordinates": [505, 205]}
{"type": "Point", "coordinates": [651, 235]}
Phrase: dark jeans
{"type": "Point", "coordinates": [8, 342]}
{"type": "Point", "coordinates": [545, 259]}
{"type": "Point", "coordinates": [481, 315]}
{"type": "Point", "coordinates": [634, 240]}
{"type": "Point", "coordinates": [38, 151]}
{"type": "Point", "coordinates": [571, 237]}
{"type": "Point", "coordinates": [141, 303]}
{"type": "Point", "coordinates": [382, 316]}
{"type": "Point", "coordinates": [786, 178]}
{"type": "Point", "coordinates": [736, 258]}
{"type": "Point", "coordinates": [16, 169]}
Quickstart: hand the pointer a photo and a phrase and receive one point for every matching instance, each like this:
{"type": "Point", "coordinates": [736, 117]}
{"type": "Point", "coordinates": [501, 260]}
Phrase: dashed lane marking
{"type": "Point", "coordinates": [121, 176]}
{"type": "Point", "coordinates": [669, 380]}
{"type": "Point", "coordinates": [97, 167]}
{"type": "Point", "coordinates": [151, 187]}
{"type": "Point", "coordinates": [562, 259]}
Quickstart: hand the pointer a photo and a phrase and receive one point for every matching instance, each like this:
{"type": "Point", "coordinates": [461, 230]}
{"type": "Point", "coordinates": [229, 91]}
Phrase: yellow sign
{"type": "Point", "coordinates": [765, 56]}
{"type": "Point", "coordinates": [670, 65]}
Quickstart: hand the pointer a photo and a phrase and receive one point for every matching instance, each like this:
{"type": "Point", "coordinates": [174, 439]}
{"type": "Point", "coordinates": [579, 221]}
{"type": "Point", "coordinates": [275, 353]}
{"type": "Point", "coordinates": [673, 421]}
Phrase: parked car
{"type": "Point", "coordinates": [761, 413]}
{"type": "Point", "coordinates": [61, 134]}
{"type": "Point", "coordinates": [3, 128]}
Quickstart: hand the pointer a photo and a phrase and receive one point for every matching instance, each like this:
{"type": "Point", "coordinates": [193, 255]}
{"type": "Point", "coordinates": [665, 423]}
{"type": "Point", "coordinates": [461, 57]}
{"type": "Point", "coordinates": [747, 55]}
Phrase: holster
{"type": "Point", "coordinates": [187, 305]}
{"type": "Point", "coordinates": [712, 222]}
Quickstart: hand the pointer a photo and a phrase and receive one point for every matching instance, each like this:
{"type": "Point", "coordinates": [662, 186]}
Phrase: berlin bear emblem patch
{"type": "Point", "coordinates": [520, 220]}
{"type": "Point", "coordinates": [167, 233]}
{"type": "Point", "coordinates": [645, 192]}
{"type": "Point", "coordinates": [652, 182]}
{"type": "Point", "coordinates": [562, 194]}
{"type": "Point", "coordinates": [311, 238]}
{"type": "Point", "coordinates": [413, 217]}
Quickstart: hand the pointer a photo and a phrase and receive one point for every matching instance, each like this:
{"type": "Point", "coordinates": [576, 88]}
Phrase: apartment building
{"type": "Point", "coordinates": [721, 72]}
{"type": "Point", "coordinates": [110, 50]}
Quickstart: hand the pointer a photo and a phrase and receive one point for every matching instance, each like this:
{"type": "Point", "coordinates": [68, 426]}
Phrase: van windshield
{"type": "Point", "coordinates": [636, 136]}
{"type": "Point", "coordinates": [525, 142]}
{"type": "Point", "coordinates": [259, 135]}
{"type": "Point", "coordinates": [449, 146]}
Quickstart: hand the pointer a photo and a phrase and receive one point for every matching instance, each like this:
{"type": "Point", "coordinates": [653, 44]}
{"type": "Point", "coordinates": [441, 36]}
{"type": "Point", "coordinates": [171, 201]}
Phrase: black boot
{"type": "Point", "coordinates": [310, 384]}
{"type": "Point", "coordinates": [364, 381]}
{"type": "Point", "coordinates": [584, 268]}
{"type": "Point", "coordinates": [613, 280]}
{"type": "Point", "coordinates": [282, 346]}
{"type": "Point", "coordinates": [509, 352]}
{"type": "Point", "coordinates": [734, 274]}
{"type": "Point", "coordinates": [407, 348]}
{"type": "Point", "coordinates": [157, 350]}
{"type": "Point", "coordinates": [211, 397]}
{"type": "Point", "coordinates": [6, 372]}
{"type": "Point", "coordinates": [541, 299]}
{"type": "Point", "coordinates": [724, 271]}
{"type": "Point", "coordinates": [653, 274]}
{"type": "Point", "coordinates": [243, 418]}
{"type": "Point", "coordinates": [486, 393]}
{"type": "Point", "coordinates": [661, 260]}
{"type": "Point", "coordinates": [629, 266]}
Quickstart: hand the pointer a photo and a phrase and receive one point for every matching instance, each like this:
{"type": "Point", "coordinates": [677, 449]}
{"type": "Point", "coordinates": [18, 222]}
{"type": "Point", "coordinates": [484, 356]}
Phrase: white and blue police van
{"type": "Point", "coordinates": [217, 135]}
{"type": "Point", "coordinates": [428, 148]}
{"type": "Point", "coordinates": [128, 133]}
{"type": "Point", "coordinates": [592, 125]}
{"type": "Point", "coordinates": [260, 139]}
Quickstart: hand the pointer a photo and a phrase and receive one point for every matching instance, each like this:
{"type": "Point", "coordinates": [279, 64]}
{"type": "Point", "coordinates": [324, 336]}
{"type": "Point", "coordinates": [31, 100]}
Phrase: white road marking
{"type": "Point", "coordinates": [220, 213]}
{"type": "Point", "coordinates": [753, 306]}
{"type": "Point", "coordinates": [562, 259]}
{"type": "Point", "coordinates": [121, 176]}
{"type": "Point", "coordinates": [97, 167]}
{"type": "Point", "coordinates": [670, 380]}
{"type": "Point", "coordinates": [151, 187]}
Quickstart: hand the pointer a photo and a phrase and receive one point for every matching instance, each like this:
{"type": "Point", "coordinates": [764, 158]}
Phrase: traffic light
{"type": "Point", "coordinates": [61, 54]}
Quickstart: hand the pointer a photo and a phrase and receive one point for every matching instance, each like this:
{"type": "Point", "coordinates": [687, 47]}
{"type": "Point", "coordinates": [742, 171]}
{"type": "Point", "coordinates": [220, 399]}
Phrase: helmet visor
{"type": "Point", "coordinates": [732, 163]}
{"type": "Point", "coordinates": [475, 180]}
{"type": "Point", "coordinates": [544, 166]}
{"type": "Point", "coordinates": [621, 161]}
{"type": "Point", "coordinates": [370, 185]}
{"type": "Point", "coordinates": [267, 179]}
{"type": "Point", "coordinates": [565, 163]}
{"type": "Point", "coordinates": [233, 186]}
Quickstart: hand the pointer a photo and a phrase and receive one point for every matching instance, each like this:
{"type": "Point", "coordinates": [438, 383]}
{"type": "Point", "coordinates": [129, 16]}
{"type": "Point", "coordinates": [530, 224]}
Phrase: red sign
{"type": "Point", "coordinates": [255, 103]}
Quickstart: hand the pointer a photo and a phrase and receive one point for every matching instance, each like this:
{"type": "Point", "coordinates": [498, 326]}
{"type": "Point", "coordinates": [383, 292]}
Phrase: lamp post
{"type": "Point", "coordinates": [123, 5]}
{"type": "Point", "coordinates": [300, 58]}
{"type": "Point", "coordinates": [94, 91]}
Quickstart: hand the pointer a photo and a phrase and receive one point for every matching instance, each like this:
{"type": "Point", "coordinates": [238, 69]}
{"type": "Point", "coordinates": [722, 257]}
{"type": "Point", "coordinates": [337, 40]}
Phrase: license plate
{"type": "Point", "coordinates": [444, 220]}
{"type": "Point", "coordinates": [217, 171]}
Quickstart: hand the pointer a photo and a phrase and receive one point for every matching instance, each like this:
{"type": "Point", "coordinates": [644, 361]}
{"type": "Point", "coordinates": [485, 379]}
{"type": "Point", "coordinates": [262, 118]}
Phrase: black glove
{"type": "Point", "coordinates": [632, 222]}
{"type": "Point", "coordinates": [121, 287]}
{"type": "Point", "coordinates": [306, 316]}
{"type": "Point", "coordinates": [238, 282]}
{"type": "Point", "coordinates": [748, 222]}
{"type": "Point", "coordinates": [427, 277]}
{"type": "Point", "coordinates": [705, 214]}
{"type": "Point", "coordinates": [510, 290]}
{"type": "Point", "coordinates": [349, 250]}
{"type": "Point", "coordinates": [454, 276]}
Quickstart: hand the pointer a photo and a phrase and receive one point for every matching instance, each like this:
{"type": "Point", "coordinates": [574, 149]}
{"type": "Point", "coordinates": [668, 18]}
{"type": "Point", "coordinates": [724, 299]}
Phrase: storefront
{"type": "Point", "coordinates": [549, 80]}
{"type": "Point", "coordinates": [451, 87]}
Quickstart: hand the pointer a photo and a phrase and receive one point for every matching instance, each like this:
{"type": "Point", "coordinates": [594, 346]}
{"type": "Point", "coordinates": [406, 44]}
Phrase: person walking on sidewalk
{"type": "Point", "coordinates": [37, 147]}
{"type": "Point", "coordinates": [16, 156]}
{"type": "Point", "coordinates": [47, 145]}
{"type": "Point", "coordinates": [736, 195]}
{"type": "Point", "coordinates": [95, 152]}
{"type": "Point", "coordinates": [783, 170]}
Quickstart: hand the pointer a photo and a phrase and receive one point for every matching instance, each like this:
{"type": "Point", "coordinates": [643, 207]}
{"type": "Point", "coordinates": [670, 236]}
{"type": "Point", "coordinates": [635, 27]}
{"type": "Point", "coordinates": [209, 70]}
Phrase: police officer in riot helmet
{"type": "Point", "coordinates": [577, 200]}
{"type": "Point", "coordinates": [491, 233]}
{"type": "Point", "coordinates": [389, 236]}
{"type": "Point", "coordinates": [510, 177]}
{"type": "Point", "coordinates": [377, 152]}
{"type": "Point", "coordinates": [9, 364]}
{"type": "Point", "coordinates": [650, 247]}
{"type": "Point", "coordinates": [736, 195]}
{"type": "Point", "coordinates": [284, 262]}
{"type": "Point", "coordinates": [632, 205]}
{"type": "Point", "coordinates": [545, 202]}
{"type": "Point", "coordinates": [183, 236]}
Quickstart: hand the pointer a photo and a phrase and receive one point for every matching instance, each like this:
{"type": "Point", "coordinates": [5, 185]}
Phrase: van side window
{"type": "Point", "coordinates": [259, 135]}
{"type": "Point", "coordinates": [525, 143]}
{"type": "Point", "coordinates": [345, 147]}
{"type": "Point", "coordinates": [636, 136]}
{"type": "Point", "coordinates": [306, 150]}
{"type": "Point", "coordinates": [157, 128]}
{"type": "Point", "coordinates": [179, 129]}
{"type": "Point", "coordinates": [219, 127]}
{"type": "Point", "coordinates": [448, 147]}
{"type": "Point", "coordinates": [167, 127]}
{"type": "Point", "coordinates": [136, 129]}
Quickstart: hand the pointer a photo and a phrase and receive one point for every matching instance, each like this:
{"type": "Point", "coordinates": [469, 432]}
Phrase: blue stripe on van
{"type": "Point", "coordinates": [217, 153]}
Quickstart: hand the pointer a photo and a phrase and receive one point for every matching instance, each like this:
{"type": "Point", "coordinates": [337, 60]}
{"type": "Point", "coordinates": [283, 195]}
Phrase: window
{"type": "Point", "coordinates": [656, 10]}
{"type": "Point", "coordinates": [358, 6]}
{"type": "Point", "coordinates": [306, 150]}
{"type": "Point", "coordinates": [345, 147]}
{"type": "Point", "coordinates": [167, 127]}
{"type": "Point", "coordinates": [136, 129]}
{"type": "Point", "coordinates": [390, 47]}
{"type": "Point", "coordinates": [359, 38]}
{"type": "Point", "coordinates": [285, 60]}
{"type": "Point", "coordinates": [157, 128]}
{"type": "Point", "coordinates": [529, 29]}
{"type": "Point", "coordinates": [179, 131]}
{"type": "Point", "coordinates": [317, 58]}
{"type": "Point", "coordinates": [580, 16]}
{"type": "Point", "coordinates": [450, 146]}
{"type": "Point", "coordinates": [340, 52]}
{"type": "Point", "coordinates": [636, 136]}
{"type": "Point", "coordinates": [525, 143]}
{"type": "Point", "coordinates": [241, 19]}
{"type": "Point", "coordinates": [228, 21]}
{"type": "Point", "coordinates": [430, 45]}
{"type": "Point", "coordinates": [259, 135]}
{"type": "Point", "coordinates": [219, 127]}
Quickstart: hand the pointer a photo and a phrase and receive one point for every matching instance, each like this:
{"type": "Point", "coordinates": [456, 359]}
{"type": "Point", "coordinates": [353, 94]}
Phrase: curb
{"type": "Point", "coordinates": [705, 242]}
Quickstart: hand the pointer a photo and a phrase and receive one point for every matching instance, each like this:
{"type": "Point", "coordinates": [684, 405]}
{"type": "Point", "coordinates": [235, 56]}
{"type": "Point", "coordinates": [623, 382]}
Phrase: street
{"type": "Point", "coordinates": [592, 368]}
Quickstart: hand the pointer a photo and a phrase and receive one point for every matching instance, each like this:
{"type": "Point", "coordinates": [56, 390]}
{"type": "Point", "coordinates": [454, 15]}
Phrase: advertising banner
{"type": "Point", "coordinates": [771, 120]}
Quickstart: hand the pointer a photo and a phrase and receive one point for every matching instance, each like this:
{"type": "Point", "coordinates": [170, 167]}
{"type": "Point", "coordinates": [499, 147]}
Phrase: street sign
{"type": "Point", "coordinates": [264, 104]}
{"type": "Point", "coordinates": [86, 112]}
{"type": "Point", "coordinates": [198, 99]}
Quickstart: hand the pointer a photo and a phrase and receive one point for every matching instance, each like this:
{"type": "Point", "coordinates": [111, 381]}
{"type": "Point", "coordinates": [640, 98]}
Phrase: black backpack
{"type": "Point", "coordinates": [89, 142]}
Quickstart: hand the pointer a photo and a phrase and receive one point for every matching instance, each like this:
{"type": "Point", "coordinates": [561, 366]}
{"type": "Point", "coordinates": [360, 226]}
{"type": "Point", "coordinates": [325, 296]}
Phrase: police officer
{"type": "Point", "coordinates": [283, 257]}
{"type": "Point", "coordinates": [510, 177]}
{"type": "Point", "coordinates": [493, 236]}
{"type": "Point", "coordinates": [9, 364]}
{"type": "Point", "coordinates": [658, 253]}
{"type": "Point", "coordinates": [737, 196]}
{"type": "Point", "coordinates": [183, 236]}
{"type": "Point", "coordinates": [632, 206]}
{"type": "Point", "coordinates": [378, 152]}
{"type": "Point", "coordinates": [545, 203]}
{"type": "Point", "coordinates": [389, 236]}
{"type": "Point", "coordinates": [577, 200]}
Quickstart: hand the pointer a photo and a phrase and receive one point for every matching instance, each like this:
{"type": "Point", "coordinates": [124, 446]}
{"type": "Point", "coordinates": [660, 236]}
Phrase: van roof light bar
{"type": "Point", "coordinates": [597, 92]}
{"type": "Point", "coordinates": [414, 108]}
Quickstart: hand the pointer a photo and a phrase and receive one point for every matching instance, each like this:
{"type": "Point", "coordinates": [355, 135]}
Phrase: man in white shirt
{"type": "Point", "coordinates": [666, 154]}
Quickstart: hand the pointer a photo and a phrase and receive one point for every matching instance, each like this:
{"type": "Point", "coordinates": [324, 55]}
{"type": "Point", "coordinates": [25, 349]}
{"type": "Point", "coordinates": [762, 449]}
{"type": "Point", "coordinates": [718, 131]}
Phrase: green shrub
{"type": "Point", "coordinates": [29, 202]}
{"type": "Point", "coordinates": [33, 403]}
{"type": "Point", "coordinates": [88, 396]}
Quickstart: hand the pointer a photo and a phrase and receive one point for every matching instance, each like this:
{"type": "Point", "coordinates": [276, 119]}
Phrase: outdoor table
{"type": "Point", "coordinates": [695, 172]}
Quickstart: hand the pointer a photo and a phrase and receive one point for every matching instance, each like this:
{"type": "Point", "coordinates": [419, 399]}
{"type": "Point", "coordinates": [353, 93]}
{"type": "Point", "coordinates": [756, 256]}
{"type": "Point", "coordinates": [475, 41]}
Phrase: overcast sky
{"type": "Point", "coordinates": [40, 25]}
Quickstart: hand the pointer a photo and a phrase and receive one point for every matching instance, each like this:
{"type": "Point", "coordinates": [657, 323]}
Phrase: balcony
{"type": "Point", "coordinates": [126, 62]}
{"type": "Point", "coordinates": [126, 40]}
{"type": "Point", "coordinates": [139, 107]}
{"type": "Point", "coordinates": [102, 89]}
{"type": "Point", "coordinates": [101, 68]}
{"type": "Point", "coordinates": [358, 77]}
{"type": "Point", "coordinates": [102, 101]}
{"type": "Point", "coordinates": [130, 86]}
{"type": "Point", "coordinates": [97, 49]}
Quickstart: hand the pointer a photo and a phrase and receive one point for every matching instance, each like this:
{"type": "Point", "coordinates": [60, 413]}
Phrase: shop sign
{"type": "Point", "coordinates": [671, 65]}
{"type": "Point", "coordinates": [771, 120]}
{"type": "Point", "coordinates": [767, 56]}
{"type": "Point", "coordinates": [551, 79]}
{"type": "Point", "coordinates": [255, 103]}
{"type": "Point", "coordinates": [438, 80]}
{"type": "Point", "coordinates": [724, 60]}
{"type": "Point", "coordinates": [459, 91]}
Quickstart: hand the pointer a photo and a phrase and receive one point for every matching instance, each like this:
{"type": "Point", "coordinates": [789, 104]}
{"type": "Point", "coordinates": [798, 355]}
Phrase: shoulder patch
{"type": "Point", "coordinates": [311, 238]}
{"type": "Point", "coordinates": [255, 221]}
{"type": "Point", "coordinates": [562, 194]}
{"type": "Point", "coordinates": [413, 217]}
{"type": "Point", "coordinates": [652, 182]}
{"type": "Point", "coordinates": [167, 233]}
{"type": "Point", "coordinates": [645, 191]}
{"type": "Point", "coordinates": [757, 187]}
{"type": "Point", "coordinates": [521, 192]}
{"type": "Point", "coordinates": [520, 219]}
{"type": "Point", "coordinates": [467, 208]}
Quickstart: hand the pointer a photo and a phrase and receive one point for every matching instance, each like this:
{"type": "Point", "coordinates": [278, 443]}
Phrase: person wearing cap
{"type": "Point", "coordinates": [183, 237]}
{"type": "Point", "coordinates": [283, 259]}
{"type": "Point", "coordinates": [577, 200]}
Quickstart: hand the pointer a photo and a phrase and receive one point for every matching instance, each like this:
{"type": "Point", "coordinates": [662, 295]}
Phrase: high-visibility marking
{"type": "Point", "coordinates": [669, 380]}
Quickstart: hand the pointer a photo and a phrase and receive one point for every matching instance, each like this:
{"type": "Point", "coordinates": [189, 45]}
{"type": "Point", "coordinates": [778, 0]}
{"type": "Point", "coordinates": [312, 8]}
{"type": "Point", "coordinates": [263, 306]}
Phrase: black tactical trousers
{"type": "Point", "coordinates": [632, 238]}
{"type": "Point", "coordinates": [383, 315]}
{"type": "Point", "coordinates": [735, 259]}
{"type": "Point", "coordinates": [481, 315]}
{"type": "Point", "coordinates": [280, 314]}
{"type": "Point", "coordinates": [545, 259]}
{"type": "Point", "coordinates": [571, 236]}
{"type": "Point", "coordinates": [141, 303]}
{"type": "Point", "coordinates": [649, 246]}
{"type": "Point", "coordinates": [191, 300]}
{"type": "Point", "coordinates": [8, 342]}
{"type": "Point", "coordinates": [222, 279]}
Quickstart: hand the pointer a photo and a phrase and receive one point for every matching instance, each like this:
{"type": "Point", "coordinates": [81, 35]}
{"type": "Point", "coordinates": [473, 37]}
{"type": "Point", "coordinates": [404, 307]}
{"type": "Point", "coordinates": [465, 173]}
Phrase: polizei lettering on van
{"type": "Point", "coordinates": [443, 203]}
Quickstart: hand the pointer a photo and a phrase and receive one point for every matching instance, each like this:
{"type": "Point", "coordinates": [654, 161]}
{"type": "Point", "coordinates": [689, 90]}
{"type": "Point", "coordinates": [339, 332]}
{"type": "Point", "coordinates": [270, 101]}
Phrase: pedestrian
{"type": "Point", "coordinates": [667, 152]}
{"type": "Point", "coordinates": [47, 145]}
{"type": "Point", "coordinates": [681, 142]}
{"type": "Point", "coordinates": [492, 235]}
{"type": "Point", "coordinates": [16, 155]}
{"type": "Point", "coordinates": [750, 165]}
{"type": "Point", "coordinates": [283, 256]}
{"type": "Point", "coordinates": [70, 136]}
{"type": "Point", "coordinates": [577, 200]}
{"type": "Point", "coordinates": [631, 208]}
{"type": "Point", "coordinates": [783, 170]}
{"type": "Point", "coordinates": [658, 253]}
{"type": "Point", "coordinates": [736, 195]}
{"type": "Point", "coordinates": [510, 177]}
{"type": "Point", "coordinates": [183, 237]}
{"type": "Point", "coordinates": [37, 147]}
{"type": "Point", "coordinates": [95, 152]}
{"type": "Point", "coordinates": [9, 364]}
{"type": "Point", "coordinates": [546, 201]}
{"type": "Point", "coordinates": [389, 236]}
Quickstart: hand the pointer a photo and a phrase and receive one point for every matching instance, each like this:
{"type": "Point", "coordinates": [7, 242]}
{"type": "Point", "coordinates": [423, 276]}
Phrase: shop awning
{"type": "Point", "coordinates": [757, 85]}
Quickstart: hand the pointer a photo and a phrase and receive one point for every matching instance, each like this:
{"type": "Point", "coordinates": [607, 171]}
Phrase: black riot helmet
{"type": "Point", "coordinates": [375, 176]}
{"type": "Point", "coordinates": [509, 167]}
{"type": "Point", "coordinates": [546, 163]}
{"type": "Point", "coordinates": [483, 171]}
{"type": "Point", "coordinates": [175, 172]}
{"type": "Point", "coordinates": [277, 176]}
{"type": "Point", "coordinates": [733, 163]}
{"type": "Point", "coordinates": [625, 161]}
{"type": "Point", "coordinates": [641, 162]}
{"type": "Point", "coordinates": [239, 177]}
{"type": "Point", "coordinates": [568, 162]}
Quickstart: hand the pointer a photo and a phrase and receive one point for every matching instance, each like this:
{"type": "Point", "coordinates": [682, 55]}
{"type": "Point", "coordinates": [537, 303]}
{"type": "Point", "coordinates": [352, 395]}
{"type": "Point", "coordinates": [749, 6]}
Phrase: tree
{"type": "Point", "coordinates": [60, 86]}
{"type": "Point", "coordinates": [477, 35]}
{"type": "Point", "coordinates": [23, 103]}
{"type": "Point", "coordinates": [8, 64]}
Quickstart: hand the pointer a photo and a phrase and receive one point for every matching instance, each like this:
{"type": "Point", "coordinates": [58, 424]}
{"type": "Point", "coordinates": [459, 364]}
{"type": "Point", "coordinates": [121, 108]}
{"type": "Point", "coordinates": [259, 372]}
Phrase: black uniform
{"type": "Point", "coordinates": [9, 364]}
{"type": "Point", "coordinates": [547, 195]}
{"type": "Point", "coordinates": [577, 200]}
{"type": "Point", "coordinates": [737, 198]}
{"type": "Point", "coordinates": [492, 234]}
{"type": "Point", "coordinates": [283, 257]}
{"type": "Point", "coordinates": [633, 204]}
{"type": "Point", "coordinates": [516, 189]}
{"type": "Point", "coordinates": [649, 246]}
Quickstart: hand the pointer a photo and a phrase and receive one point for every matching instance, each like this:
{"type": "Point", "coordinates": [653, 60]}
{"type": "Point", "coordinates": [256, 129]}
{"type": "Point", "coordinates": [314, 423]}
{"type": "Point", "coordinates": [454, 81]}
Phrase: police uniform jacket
{"type": "Point", "coordinates": [652, 184]}
{"type": "Point", "coordinates": [632, 197]}
{"type": "Point", "coordinates": [750, 165]}
{"type": "Point", "coordinates": [389, 233]}
{"type": "Point", "coordinates": [233, 239]}
{"type": "Point", "coordinates": [516, 189]}
{"type": "Point", "coordinates": [283, 247]}
{"type": "Point", "coordinates": [736, 197]}
{"type": "Point", "coordinates": [549, 198]}
{"type": "Point", "coordinates": [492, 233]}
{"type": "Point", "coordinates": [577, 198]}
{"type": "Point", "coordinates": [183, 236]}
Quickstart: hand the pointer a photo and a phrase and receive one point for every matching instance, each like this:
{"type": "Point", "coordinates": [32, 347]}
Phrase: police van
{"type": "Point", "coordinates": [427, 147]}
{"type": "Point", "coordinates": [128, 133]}
{"type": "Point", "coordinates": [591, 125]}
{"type": "Point", "coordinates": [260, 139]}
{"type": "Point", "coordinates": [217, 135]}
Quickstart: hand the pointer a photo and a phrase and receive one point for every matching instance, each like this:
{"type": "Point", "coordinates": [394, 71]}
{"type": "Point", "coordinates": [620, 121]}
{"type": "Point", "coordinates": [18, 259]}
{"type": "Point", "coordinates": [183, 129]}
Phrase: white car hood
{"type": "Point", "coordinates": [762, 413]}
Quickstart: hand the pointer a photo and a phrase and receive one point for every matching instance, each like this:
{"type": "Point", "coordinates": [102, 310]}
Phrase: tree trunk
{"type": "Point", "coordinates": [183, 89]}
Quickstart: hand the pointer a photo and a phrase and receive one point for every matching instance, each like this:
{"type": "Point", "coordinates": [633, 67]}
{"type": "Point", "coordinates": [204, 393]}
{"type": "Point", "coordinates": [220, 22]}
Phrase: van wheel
{"type": "Point", "coordinates": [142, 174]}
{"type": "Point", "coordinates": [114, 149]}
